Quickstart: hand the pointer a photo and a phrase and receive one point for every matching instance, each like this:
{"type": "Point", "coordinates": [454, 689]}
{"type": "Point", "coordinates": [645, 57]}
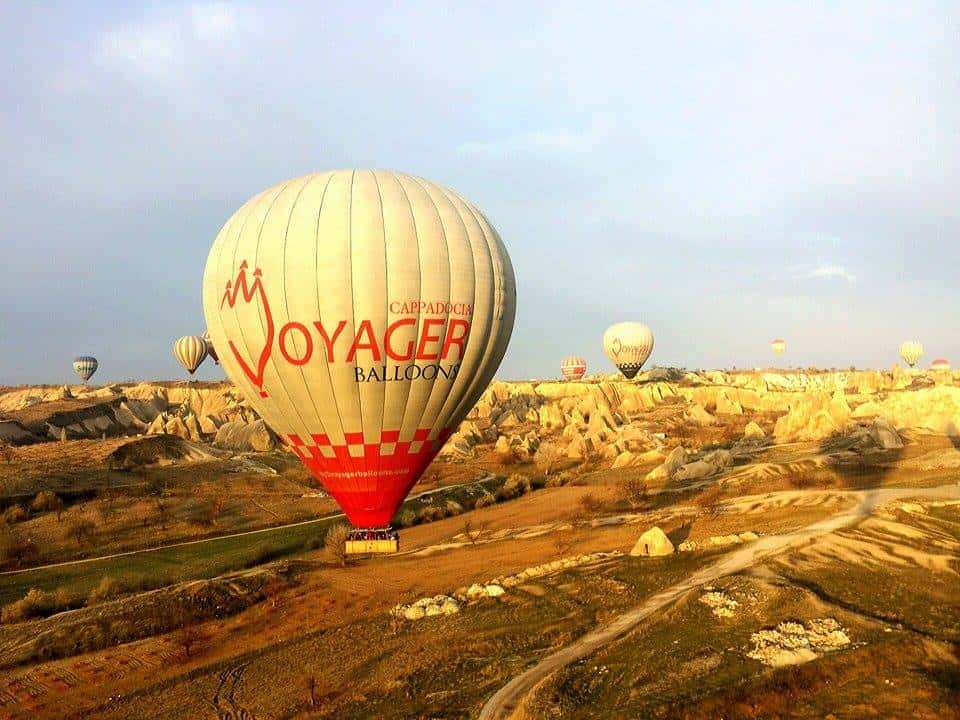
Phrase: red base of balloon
{"type": "Point", "coordinates": [369, 480]}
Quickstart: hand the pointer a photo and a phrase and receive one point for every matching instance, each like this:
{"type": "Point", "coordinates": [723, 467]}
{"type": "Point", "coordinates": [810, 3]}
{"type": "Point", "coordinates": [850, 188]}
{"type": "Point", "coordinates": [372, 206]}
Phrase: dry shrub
{"type": "Point", "coordinates": [47, 501]}
{"type": "Point", "coordinates": [108, 589]}
{"type": "Point", "coordinates": [560, 479]}
{"type": "Point", "coordinates": [711, 500]}
{"type": "Point", "coordinates": [407, 518]}
{"type": "Point", "coordinates": [36, 603]}
{"type": "Point", "coordinates": [515, 486]}
{"type": "Point", "coordinates": [335, 543]}
{"type": "Point", "coordinates": [15, 514]}
{"type": "Point", "coordinates": [590, 503]}
{"type": "Point", "coordinates": [484, 501]}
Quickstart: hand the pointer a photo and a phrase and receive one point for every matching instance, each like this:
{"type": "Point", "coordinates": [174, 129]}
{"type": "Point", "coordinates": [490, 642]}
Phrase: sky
{"type": "Point", "coordinates": [725, 174]}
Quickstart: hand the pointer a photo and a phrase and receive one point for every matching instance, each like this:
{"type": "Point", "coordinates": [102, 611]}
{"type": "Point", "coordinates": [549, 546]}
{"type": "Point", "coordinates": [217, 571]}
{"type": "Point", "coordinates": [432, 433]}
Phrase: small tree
{"type": "Point", "coordinates": [160, 503]}
{"type": "Point", "coordinates": [188, 637]}
{"type": "Point", "coordinates": [547, 457]}
{"type": "Point", "coordinates": [590, 503]}
{"type": "Point", "coordinates": [634, 490]}
{"type": "Point", "coordinates": [17, 549]}
{"type": "Point", "coordinates": [335, 543]}
{"type": "Point", "coordinates": [80, 529]}
{"type": "Point", "coordinates": [311, 683]}
{"type": "Point", "coordinates": [473, 534]}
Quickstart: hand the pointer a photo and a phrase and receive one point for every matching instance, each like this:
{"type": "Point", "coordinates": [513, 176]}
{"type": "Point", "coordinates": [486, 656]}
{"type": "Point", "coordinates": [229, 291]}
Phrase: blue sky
{"type": "Point", "coordinates": [725, 174]}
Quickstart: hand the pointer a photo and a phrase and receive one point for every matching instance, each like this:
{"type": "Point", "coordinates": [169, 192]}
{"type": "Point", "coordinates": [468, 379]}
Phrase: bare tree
{"type": "Point", "coordinates": [634, 490]}
{"type": "Point", "coordinates": [188, 637]}
{"type": "Point", "coordinates": [17, 549]}
{"type": "Point", "coordinates": [472, 533]}
{"type": "Point", "coordinates": [160, 503]}
{"type": "Point", "coordinates": [547, 457]}
{"type": "Point", "coordinates": [80, 529]}
{"type": "Point", "coordinates": [311, 683]}
{"type": "Point", "coordinates": [335, 543]}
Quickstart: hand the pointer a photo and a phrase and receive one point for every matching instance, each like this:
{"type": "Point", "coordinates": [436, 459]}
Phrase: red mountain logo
{"type": "Point", "coordinates": [250, 291]}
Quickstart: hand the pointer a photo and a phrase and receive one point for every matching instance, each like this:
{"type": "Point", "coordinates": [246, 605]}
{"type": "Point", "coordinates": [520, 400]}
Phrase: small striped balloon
{"type": "Point", "coordinates": [190, 350]}
{"type": "Point", "coordinates": [85, 366]}
{"type": "Point", "coordinates": [573, 367]}
{"type": "Point", "coordinates": [911, 351]}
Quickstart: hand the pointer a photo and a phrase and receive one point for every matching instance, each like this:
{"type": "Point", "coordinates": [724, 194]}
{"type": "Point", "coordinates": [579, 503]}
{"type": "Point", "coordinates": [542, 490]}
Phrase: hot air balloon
{"type": "Point", "coordinates": [778, 346]}
{"type": "Point", "coordinates": [573, 367]}
{"type": "Point", "coordinates": [362, 313]}
{"type": "Point", "coordinates": [85, 366]}
{"type": "Point", "coordinates": [910, 351]}
{"type": "Point", "coordinates": [190, 350]}
{"type": "Point", "coordinates": [628, 345]}
{"type": "Point", "coordinates": [211, 351]}
{"type": "Point", "coordinates": [940, 364]}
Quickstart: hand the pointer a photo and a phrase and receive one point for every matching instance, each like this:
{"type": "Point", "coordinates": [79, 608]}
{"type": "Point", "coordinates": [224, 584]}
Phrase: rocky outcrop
{"type": "Point", "coordinates": [653, 543]}
{"type": "Point", "coordinates": [241, 436]}
{"type": "Point", "coordinates": [813, 417]}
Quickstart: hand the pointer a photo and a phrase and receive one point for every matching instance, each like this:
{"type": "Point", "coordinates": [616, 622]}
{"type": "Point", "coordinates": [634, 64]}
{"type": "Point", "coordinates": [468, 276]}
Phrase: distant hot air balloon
{"type": "Point", "coordinates": [940, 364]}
{"type": "Point", "coordinates": [573, 367]}
{"type": "Point", "coordinates": [190, 350]}
{"type": "Point", "coordinates": [778, 346]}
{"type": "Point", "coordinates": [85, 366]}
{"type": "Point", "coordinates": [910, 351]}
{"type": "Point", "coordinates": [628, 345]}
{"type": "Point", "coordinates": [211, 351]}
{"type": "Point", "coordinates": [362, 313]}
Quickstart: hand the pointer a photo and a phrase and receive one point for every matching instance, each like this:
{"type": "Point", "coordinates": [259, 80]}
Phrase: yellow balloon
{"type": "Point", "coordinates": [628, 345]}
{"type": "Point", "coordinates": [910, 351]}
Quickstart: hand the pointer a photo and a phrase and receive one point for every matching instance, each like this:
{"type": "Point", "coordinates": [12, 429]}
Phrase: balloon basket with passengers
{"type": "Point", "coordinates": [372, 541]}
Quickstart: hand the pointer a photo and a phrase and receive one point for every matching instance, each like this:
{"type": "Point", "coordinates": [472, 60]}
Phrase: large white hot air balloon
{"type": "Point", "coordinates": [573, 367]}
{"type": "Point", "coordinates": [85, 366]}
{"type": "Point", "coordinates": [190, 351]}
{"type": "Point", "coordinates": [910, 351]}
{"type": "Point", "coordinates": [362, 313]}
{"type": "Point", "coordinates": [628, 345]}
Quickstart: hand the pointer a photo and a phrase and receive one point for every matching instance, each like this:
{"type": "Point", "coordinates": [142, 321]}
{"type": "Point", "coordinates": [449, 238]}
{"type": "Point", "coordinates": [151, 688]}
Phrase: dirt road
{"type": "Point", "coordinates": [509, 699]}
{"type": "Point", "coordinates": [272, 528]}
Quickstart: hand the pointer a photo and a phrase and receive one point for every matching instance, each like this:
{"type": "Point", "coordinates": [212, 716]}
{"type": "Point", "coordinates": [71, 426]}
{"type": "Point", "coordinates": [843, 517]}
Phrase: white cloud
{"type": "Point", "coordinates": [213, 21]}
{"type": "Point", "coordinates": [166, 46]}
{"type": "Point", "coordinates": [149, 49]}
{"type": "Point", "coordinates": [540, 142]}
{"type": "Point", "coordinates": [832, 271]}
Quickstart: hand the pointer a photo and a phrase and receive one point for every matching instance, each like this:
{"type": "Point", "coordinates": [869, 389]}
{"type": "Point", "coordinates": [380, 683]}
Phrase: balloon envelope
{"type": "Point", "coordinates": [190, 351]}
{"type": "Point", "coordinates": [211, 351]}
{"type": "Point", "coordinates": [910, 351]}
{"type": "Point", "coordinates": [573, 367]}
{"type": "Point", "coordinates": [778, 346]}
{"type": "Point", "coordinates": [940, 364]}
{"type": "Point", "coordinates": [85, 366]}
{"type": "Point", "coordinates": [628, 345]}
{"type": "Point", "coordinates": [362, 313]}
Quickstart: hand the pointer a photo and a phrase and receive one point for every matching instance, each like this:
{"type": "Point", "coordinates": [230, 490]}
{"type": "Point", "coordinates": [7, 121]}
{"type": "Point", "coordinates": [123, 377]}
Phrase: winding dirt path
{"type": "Point", "coordinates": [509, 699]}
